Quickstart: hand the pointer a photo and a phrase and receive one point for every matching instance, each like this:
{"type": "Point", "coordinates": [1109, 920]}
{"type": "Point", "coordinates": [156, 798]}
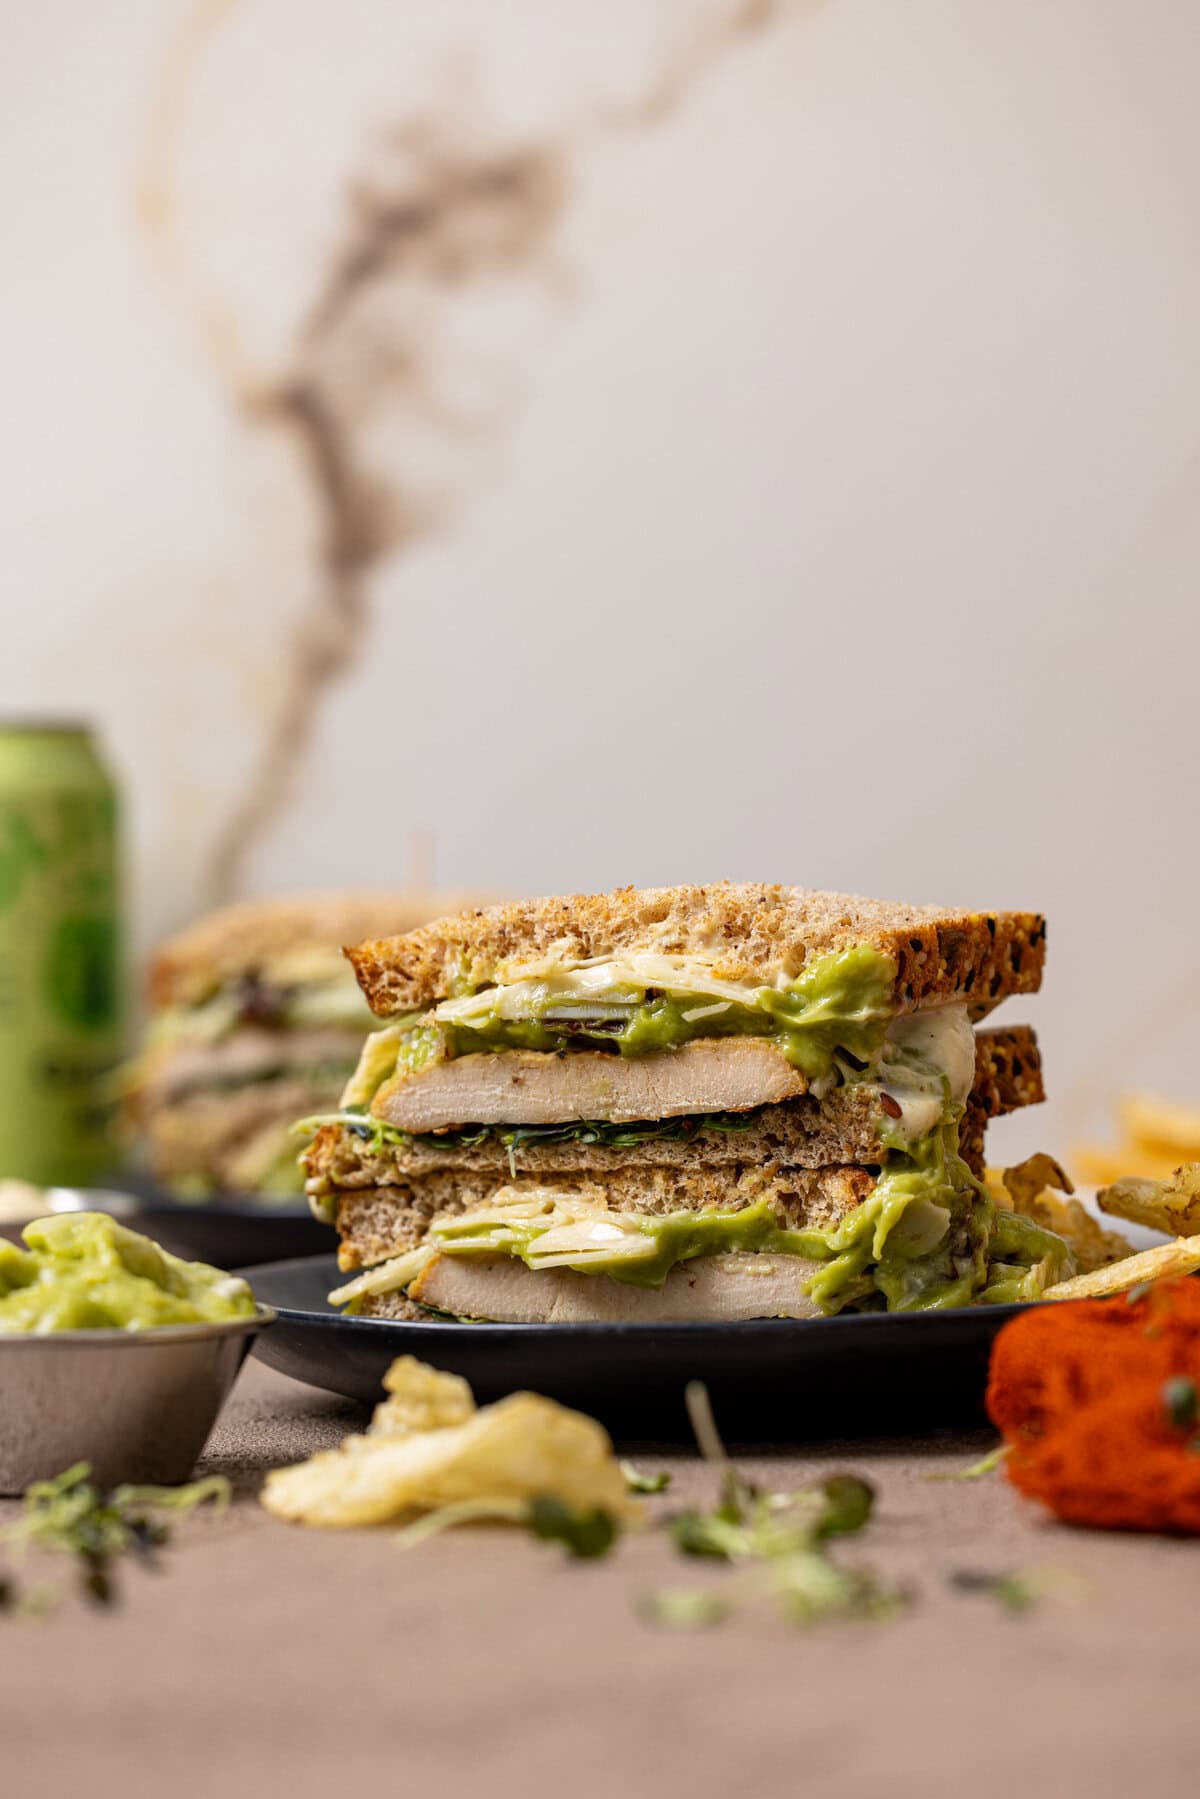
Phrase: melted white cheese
{"type": "Point", "coordinates": [527, 986]}
{"type": "Point", "coordinates": [926, 1054]}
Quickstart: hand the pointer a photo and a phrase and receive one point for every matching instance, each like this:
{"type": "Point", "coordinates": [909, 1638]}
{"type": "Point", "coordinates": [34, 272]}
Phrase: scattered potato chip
{"type": "Point", "coordinates": [1089, 1242]}
{"type": "Point", "coordinates": [1028, 1189]}
{"type": "Point", "coordinates": [1172, 1206]}
{"type": "Point", "coordinates": [1158, 1136]}
{"type": "Point", "coordinates": [412, 1460]}
{"type": "Point", "coordinates": [1160, 1263]}
{"type": "Point", "coordinates": [1100, 1165]}
{"type": "Point", "coordinates": [421, 1398]}
{"type": "Point", "coordinates": [1033, 1176]}
{"type": "Point", "coordinates": [1159, 1125]}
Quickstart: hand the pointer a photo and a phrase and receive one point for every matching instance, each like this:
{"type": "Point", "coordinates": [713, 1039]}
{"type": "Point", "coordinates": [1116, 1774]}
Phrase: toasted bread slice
{"type": "Point", "coordinates": [750, 932]}
{"type": "Point", "coordinates": [1008, 1070]}
{"type": "Point", "coordinates": [376, 1223]}
{"type": "Point", "coordinates": [240, 939]}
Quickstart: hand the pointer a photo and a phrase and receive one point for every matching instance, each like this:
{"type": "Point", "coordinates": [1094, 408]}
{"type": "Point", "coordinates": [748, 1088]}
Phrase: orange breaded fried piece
{"type": "Point", "coordinates": [1099, 1401]}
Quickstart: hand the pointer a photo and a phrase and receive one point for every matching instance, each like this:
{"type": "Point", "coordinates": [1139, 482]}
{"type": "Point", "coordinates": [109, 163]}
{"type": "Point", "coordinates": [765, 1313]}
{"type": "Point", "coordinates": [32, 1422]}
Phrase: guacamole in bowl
{"type": "Point", "coordinates": [113, 1352]}
{"type": "Point", "coordinates": [84, 1271]}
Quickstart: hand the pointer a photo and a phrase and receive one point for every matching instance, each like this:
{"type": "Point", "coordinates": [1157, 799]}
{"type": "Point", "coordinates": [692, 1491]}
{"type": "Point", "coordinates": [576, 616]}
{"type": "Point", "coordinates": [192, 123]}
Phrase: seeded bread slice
{"type": "Point", "coordinates": [753, 932]}
{"type": "Point", "coordinates": [375, 1223]}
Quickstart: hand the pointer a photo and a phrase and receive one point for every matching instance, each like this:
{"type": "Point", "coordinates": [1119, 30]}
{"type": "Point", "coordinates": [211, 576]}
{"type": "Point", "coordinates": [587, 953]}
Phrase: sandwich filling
{"type": "Point", "coordinates": [925, 1236]}
{"type": "Point", "coordinates": [928, 1237]}
{"type": "Point", "coordinates": [920, 1064]}
{"type": "Point", "coordinates": [835, 1011]}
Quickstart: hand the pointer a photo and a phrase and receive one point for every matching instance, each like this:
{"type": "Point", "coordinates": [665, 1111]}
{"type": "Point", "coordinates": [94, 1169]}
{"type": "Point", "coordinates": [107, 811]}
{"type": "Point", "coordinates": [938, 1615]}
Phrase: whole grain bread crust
{"type": "Point", "coordinates": [1008, 1070]}
{"type": "Point", "coordinates": [751, 931]}
{"type": "Point", "coordinates": [237, 939]}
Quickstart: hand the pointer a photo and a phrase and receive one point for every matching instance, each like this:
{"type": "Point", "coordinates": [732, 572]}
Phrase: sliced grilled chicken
{"type": "Point", "coordinates": [504, 1290]}
{"type": "Point", "coordinates": [712, 1074]}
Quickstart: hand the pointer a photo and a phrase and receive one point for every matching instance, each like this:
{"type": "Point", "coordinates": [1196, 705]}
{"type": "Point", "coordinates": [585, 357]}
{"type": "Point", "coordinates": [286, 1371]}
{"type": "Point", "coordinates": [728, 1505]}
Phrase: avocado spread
{"type": "Point", "coordinates": [838, 1006]}
{"type": "Point", "coordinates": [927, 1238]}
{"type": "Point", "coordinates": [1023, 1260]}
{"type": "Point", "coordinates": [84, 1271]}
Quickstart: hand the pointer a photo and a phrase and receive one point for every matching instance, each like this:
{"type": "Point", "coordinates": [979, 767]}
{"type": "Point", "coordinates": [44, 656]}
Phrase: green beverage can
{"type": "Point", "coordinates": [60, 955]}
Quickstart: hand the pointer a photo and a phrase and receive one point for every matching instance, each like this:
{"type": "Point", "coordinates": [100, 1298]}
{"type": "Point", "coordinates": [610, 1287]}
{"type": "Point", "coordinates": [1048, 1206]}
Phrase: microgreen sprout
{"type": "Point", "coordinates": [69, 1515]}
{"type": "Point", "coordinates": [637, 1482]}
{"type": "Point", "coordinates": [776, 1540]}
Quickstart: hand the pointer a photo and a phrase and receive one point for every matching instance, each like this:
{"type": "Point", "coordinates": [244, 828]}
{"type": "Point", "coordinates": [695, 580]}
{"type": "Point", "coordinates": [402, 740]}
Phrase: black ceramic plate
{"type": "Point", "coordinates": [230, 1231]}
{"type": "Point", "coordinates": [775, 1380]}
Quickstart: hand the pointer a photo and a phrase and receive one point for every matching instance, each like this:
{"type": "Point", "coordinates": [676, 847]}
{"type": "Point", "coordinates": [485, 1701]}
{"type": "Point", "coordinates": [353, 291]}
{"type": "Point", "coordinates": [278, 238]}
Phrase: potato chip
{"type": "Point", "coordinates": [1172, 1206]}
{"type": "Point", "coordinates": [421, 1398]}
{"type": "Point", "coordinates": [1098, 1165]}
{"type": "Point", "coordinates": [1033, 1176]}
{"type": "Point", "coordinates": [1091, 1245]}
{"type": "Point", "coordinates": [1027, 1189]}
{"type": "Point", "coordinates": [1160, 1126]}
{"type": "Point", "coordinates": [523, 1448]}
{"type": "Point", "coordinates": [1161, 1263]}
{"type": "Point", "coordinates": [1158, 1136]}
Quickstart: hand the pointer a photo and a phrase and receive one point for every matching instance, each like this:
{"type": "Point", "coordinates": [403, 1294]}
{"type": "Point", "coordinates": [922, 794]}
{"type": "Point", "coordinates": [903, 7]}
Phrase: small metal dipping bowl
{"type": "Point", "coordinates": [137, 1405]}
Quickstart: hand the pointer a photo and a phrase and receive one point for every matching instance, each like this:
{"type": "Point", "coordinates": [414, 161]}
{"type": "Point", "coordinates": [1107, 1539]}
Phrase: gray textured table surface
{"type": "Point", "coordinates": [268, 1658]}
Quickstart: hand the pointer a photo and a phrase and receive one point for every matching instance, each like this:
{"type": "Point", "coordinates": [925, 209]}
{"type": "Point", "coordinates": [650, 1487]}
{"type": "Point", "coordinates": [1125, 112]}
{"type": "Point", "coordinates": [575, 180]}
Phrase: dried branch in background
{"type": "Point", "coordinates": [438, 211]}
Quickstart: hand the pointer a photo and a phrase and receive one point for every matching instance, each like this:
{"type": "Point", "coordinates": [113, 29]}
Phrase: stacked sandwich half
{"type": "Point", "coordinates": [257, 1019]}
{"type": "Point", "coordinates": [687, 1103]}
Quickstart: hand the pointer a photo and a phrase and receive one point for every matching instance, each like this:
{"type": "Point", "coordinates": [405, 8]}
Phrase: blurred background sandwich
{"type": "Point", "coordinates": [256, 1020]}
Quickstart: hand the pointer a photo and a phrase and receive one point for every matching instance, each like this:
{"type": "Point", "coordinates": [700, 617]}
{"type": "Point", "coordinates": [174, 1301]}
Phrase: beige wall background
{"type": "Point", "coordinates": [634, 442]}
